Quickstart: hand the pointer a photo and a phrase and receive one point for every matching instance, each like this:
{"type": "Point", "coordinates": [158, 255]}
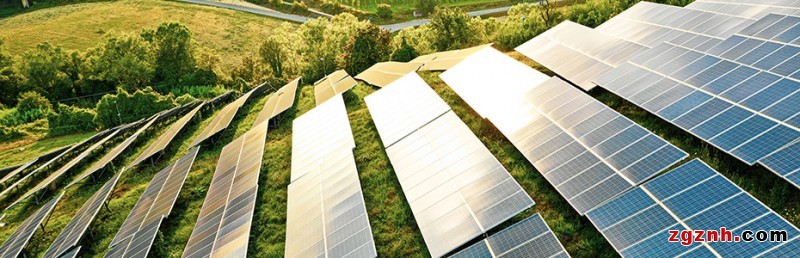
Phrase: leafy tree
{"type": "Point", "coordinates": [522, 24]}
{"type": "Point", "coordinates": [549, 12]}
{"type": "Point", "coordinates": [48, 70]}
{"type": "Point", "coordinates": [10, 79]}
{"type": "Point", "coordinates": [32, 100]}
{"type": "Point", "coordinates": [123, 107]}
{"type": "Point", "coordinates": [426, 6]}
{"type": "Point", "coordinates": [128, 62]}
{"type": "Point", "coordinates": [406, 52]}
{"type": "Point", "coordinates": [174, 52]}
{"type": "Point", "coordinates": [249, 72]}
{"type": "Point", "coordinates": [273, 54]}
{"type": "Point", "coordinates": [452, 29]}
{"type": "Point", "coordinates": [68, 119]}
{"type": "Point", "coordinates": [372, 44]}
{"type": "Point", "coordinates": [384, 11]}
{"type": "Point", "coordinates": [184, 99]}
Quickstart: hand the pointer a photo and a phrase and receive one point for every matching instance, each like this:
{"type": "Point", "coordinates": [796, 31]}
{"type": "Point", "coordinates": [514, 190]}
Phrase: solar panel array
{"type": "Point", "coordinates": [578, 53]}
{"type": "Point", "coordinates": [281, 100]}
{"type": "Point", "coordinates": [67, 241]}
{"type": "Point", "coordinates": [320, 131]}
{"type": "Point", "coordinates": [381, 74]}
{"type": "Point", "coordinates": [114, 153]}
{"type": "Point", "coordinates": [223, 226]}
{"type": "Point", "coordinates": [15, 243]}
{"type": "Point", "coordinates": [455, 187]}
{"type": "Point", "coordinates": [139, 230]}
{"type": "Point", "coordinates": [746, 8]}
{"type": "Point", "coordinates": [6, 170]}
{"type": "Point", "coordinates": [334, 84]}
{"type": "Point", "coordinates": [586, 150]}
{"type": "Point", "coordinates": [33, 163]}
{"type": "Point", "coordinates": [223, 119]}
{"type": "Point", "coordinates": [61, 171]}
{"type": "Point", "coordinates": [530, 237]}
{"type": "Point", "coordinates": [161, 143]}
{"type": "Point", "coordinates": [441, 61]}
{"type": "Point", "coordinates": [742, 96]}
{"type": "Point", "coordinates": [326, 215]}
{"type": "Point", "coordinates": [690, 197]}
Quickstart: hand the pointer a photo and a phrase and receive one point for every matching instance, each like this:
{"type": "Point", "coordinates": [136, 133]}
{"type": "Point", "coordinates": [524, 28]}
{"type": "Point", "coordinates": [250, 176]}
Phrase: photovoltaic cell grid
{"type": "Point", "coordinates": [139, 230]}
{"type": "Point", "coordinates": [334, 84]}
{"type": "Point", "coordinates": [381, 74]}
{"type": "Point", "coordinates": [67, 241]}
{"type": "Point", "coordinates": [223, 226]}
{"type": "Point", "coordinates": [456, 188]}
{"type": "Point", "coordinates": [61, 171]}
{"type": "Point", "coordinates": [578, 53]}
{"type": "Point", "coordinates": [690, 197]}
{"type": "Point", "coordinates": [739, 97]}
{"type": "Point", "coordinates": [650, 24]}
{"type": "Point", "coordinates": [113, 154]}
{"type": "Point", "coordinates": [320, 131]}
{"type": "Point", "coordinates": [223, 119]}
{"type": "Point", "coordinates": [161, 143]}
{"type": "Point", "coordinates": [747, 8]}
{"type": "Point", "coordinates": [15, 243]}
{"type": "Point", "coordinates": [586, 150]}
{"type": "Point", "coordinates": [281, 100]}
{"type": "Point", "coordinates": [326, 215]}
{"type": "Point", "coordinates": [530, 237]}
{"type": "Point", "coordinates": [441, 61]}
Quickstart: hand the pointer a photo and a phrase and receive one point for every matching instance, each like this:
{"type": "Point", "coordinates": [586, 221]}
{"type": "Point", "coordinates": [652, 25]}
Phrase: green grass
{"type": "Point", "coordinates": [232, 34]}
{"type": "Point", "coordinates": [11, 154]}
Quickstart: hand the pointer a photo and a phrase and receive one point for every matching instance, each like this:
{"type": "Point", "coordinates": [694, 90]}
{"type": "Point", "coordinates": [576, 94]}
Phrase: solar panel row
{"type": "Point", "coordinates": [530, 237]}
{"type": "Point", "coordinates": [154, 205]}
{"type": "Point", "coordinates": [4, 171]}
{"type": "Point", "coordinates": [586, 150]}
{"type": "Point", "coordinates": [11, 176]}
{"type": "Point", "coordinates": [15, 243]}
{"type": "Point", "coordinates": [690, 197]}
{"type": "Point", "coordinates": [456, 188]}
{"type": "Point", "coordinates": [224, 117]}
{"type": "Point", "coordinates": [223, 226]}
{"type": "Point", "coordinates": [320, 131]}
{"type": "Point", "coordinates": [381, 74]}
{"type": "Point", "coordinates": [334, 84]}
{"type": "Point", "coordinates": [281, 100]}
{"type": "Point", "coordinates": [61, 171]}
{"type": "Point", "coordinates": [161, 143]}
{"type": "Point", "coordinates": [746, 8]}
{"type": "Point", "coordinates": [66, 242]}
{"type": "Point", "coordinates": [441, 61]}
{"type": "Point", "coordinates": [113, 154]}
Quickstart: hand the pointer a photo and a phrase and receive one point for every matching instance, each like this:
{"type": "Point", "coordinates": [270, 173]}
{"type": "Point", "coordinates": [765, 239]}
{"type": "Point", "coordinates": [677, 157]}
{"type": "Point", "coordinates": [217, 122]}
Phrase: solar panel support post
{"type": "Point", "coordinates": [105, 204]}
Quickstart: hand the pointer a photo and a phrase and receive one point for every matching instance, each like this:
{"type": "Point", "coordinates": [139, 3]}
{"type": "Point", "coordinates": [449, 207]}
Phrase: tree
{"type": "Point", "coordinates": [384, 11]}
{"type": "Point", "coordinates": [372, 44]}
{"type": "Point", "coordinates": [174, 52]}
{"type": "Point", "coordinates": [426, 6]}
{"type": "Point", "coordinates": [10, 79]}
{"type": "Point", "coordinates": [405, 52]}
{"type": "Point", "coordinates": [452, 29]}
{"type": "Point", "coordinates": [128, 62]}
{"type": "Point", "coordinates": [124, 107]}
{"type": "Point", "coordinates": [31, 100]}
{"type": "Point", "coordinates": [549, 12]}
{"type": "Point", "coordinates": [273, 54]}
{"type": "Point", "coordinates": [68, 119]}
{"type": "Point", "coordinates": [48, 70]}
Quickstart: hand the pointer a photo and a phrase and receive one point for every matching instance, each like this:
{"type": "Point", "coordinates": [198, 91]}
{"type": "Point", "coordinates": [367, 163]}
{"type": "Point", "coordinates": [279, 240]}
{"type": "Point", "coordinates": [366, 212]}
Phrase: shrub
{"type": "Point", "coordinates": [8, 134]}
{"type": "Point", "coordinates": [453, 29]}
{"type": "Point", "coordinates": [384, 11]}
{"type": "Point", "coordinates": [68, 119]}
{"type": "Point", "coordinates": [31, 100]}
{"type": "Point", "coordinates": [426, 6]}
{"type": "Point", "coordinates": [113, 110]}
{"type": "Point", "coordinates": [371, 45]}
{"type": "Point", "coordinates": [405, 52]}
{"type": "Point", "coordinates": [184, 99]}
{"type": "Point", "coordinates": [299, 7]}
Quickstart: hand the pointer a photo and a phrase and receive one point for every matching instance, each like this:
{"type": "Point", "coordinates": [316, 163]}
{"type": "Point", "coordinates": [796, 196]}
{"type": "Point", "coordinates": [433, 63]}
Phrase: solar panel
{"type": "Point", "coordinates": [281, 100]}
{"type": "Point", "coordinates": [223, 119]}
{"type": "Point", "coordinates": [61, 171]}
{"type": "Point", "coordinates": [747, 9]}
{"type": "Point", "coordinates": [381, 74]}
{"type": "Point", "coordinates": [31, 164]}
{"type": "Point", "coordinates": [113, 154]}
{"type": "Point", "coordinates": [578, 53]}
{"type": "Point", "coordinates": [334, 84]}
{"type": "Point", "coordinates": [15, 243]}
{"type": "Point", "coordinates": [140, 228]}
{"type": "Point", "coordinates": [456, 188]}
{"type": "Point", "coordinates": [320, 131]}
{"type": "Point", "coordinates": [690, 197]}
{"type": "Point", "coordinates": [326, 215]}
{"type": "Point", "coordinates": [530, 237]}
{"type": "Point", "coordinates": [4, 171]}
{"type": "Point", "coordinates": [586, 150]}
{"type": "Point", "coordinates": [66, 244]}
{"type": "Point", "coordinates": [742, 105]}
{"type": "Point", "coordinates": [441, 61]}
{"type": "Point", "coordinates": [223, 226]}
{"type": "Point", "coordinates": [161, 143]}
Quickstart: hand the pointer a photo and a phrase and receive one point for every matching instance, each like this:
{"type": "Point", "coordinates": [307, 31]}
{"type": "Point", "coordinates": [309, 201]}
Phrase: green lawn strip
{"type": "Point", "coordinates": [14, 156]}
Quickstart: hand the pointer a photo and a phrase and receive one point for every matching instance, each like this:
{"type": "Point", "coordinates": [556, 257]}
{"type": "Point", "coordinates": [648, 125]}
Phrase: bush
{"type": "Point", "coordinates": [299, 7]}
{"type": "Point", "coordinates": [8, 134]}
{"type": "Point", "coordinates": [384, 11]}
{"type": "Point", "coordinates": [113, 110]}
{"type": "Point", "coordinates": [185, 99]}
{"type": "Point", "coordinates": [426, 6]}
{"type": "Point", "coordinates": [453, 29]}
{"type": "Point", "coordinates": [31, 100]}
{"type": "Point", "coordinates": [68, 119]}
{"type": "Point", "coordinates": [405, 52]}
{"type": "Point", "coordinates": [371, 45]}
{"type": "Point", "coordinates": [202, 92]}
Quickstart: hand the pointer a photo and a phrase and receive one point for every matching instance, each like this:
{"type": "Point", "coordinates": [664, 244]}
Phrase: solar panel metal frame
{"type": "Point", "coordinates": [523, 239]}
{"type": "Point", "coordinates": [237, 183]}
{"type": "Point", "coordinates": [69, 238]}
{"type": "Point", "coordinates": [14, 245]}
{"type": "Point", "coordinates": [381, 74]}
{"type": "Point", "coordinates": [165, 138]}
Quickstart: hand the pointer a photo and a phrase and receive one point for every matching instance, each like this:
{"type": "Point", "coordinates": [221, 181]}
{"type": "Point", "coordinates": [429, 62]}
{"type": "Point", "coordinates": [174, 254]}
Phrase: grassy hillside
{"type": "Point", "coordinates": [22, 151]}
{"type": "Point", "coordinates": [231, 34]}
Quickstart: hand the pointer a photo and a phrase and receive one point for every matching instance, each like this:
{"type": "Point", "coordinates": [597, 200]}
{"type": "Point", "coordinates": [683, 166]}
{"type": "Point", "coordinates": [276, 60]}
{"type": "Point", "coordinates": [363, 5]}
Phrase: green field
{"type": "Point", "coordinates": [231, 34]}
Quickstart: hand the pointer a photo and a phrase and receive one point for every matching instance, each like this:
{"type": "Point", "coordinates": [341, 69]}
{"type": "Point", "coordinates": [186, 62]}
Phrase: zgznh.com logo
{"type": "Point", "coordinates": [687, 237]}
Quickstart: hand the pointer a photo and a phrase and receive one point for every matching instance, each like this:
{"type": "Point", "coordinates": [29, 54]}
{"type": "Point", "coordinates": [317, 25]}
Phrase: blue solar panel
{"type": "Point", "coordinates": [530, 237]}
{"type": "Point", "coordinates": [742, 132]}
{"type": "Point", "coordinates": [684, 105]}
{"type": "Point", "coordinates": [721, 122]}
{"type": "Point", "coordinates": [758, 53]}
{"type": "Point", "coordinates": [702, 113]}
{"type": "Point", "coordinates": [785, 108]}
{"type": "Point", "coordinates": [728, 80]}
{"type": "Point", "coordinates": [764, 144]}
{"type": "Point", "coordinates": [784, 162]}
{"type": "Point", "coordinates": [750, 86]}
{"type": "Point", "coordinates": [777, 57]}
